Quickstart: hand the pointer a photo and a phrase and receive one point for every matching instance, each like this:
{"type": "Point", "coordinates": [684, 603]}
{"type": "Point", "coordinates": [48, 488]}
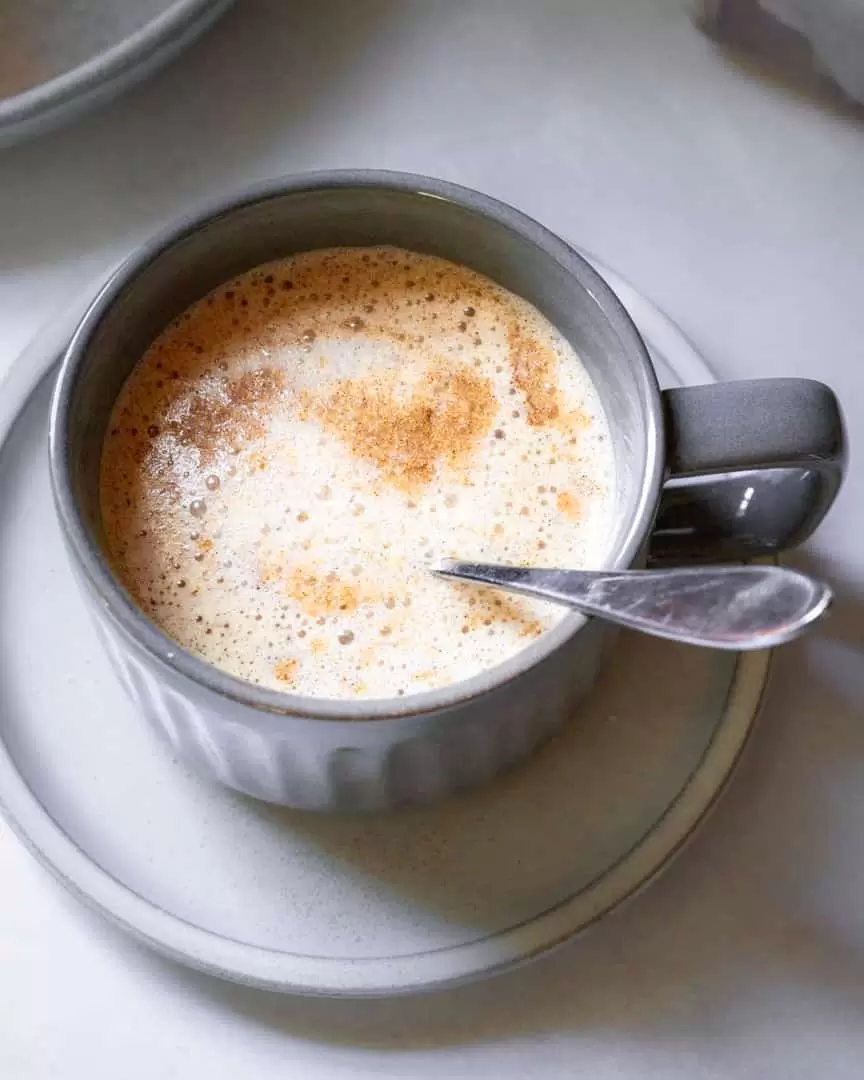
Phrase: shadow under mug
{"type": "Point", "coordinates": [764, 461]}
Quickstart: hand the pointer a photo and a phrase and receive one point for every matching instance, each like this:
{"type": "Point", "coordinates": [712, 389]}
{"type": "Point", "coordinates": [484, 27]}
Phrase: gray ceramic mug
{"type": "Point", "coordinates": [369, 754]}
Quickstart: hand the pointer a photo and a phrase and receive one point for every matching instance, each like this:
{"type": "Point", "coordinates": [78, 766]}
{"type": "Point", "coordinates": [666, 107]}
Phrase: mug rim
{"type": "Point", "coordinates": [172, 657]}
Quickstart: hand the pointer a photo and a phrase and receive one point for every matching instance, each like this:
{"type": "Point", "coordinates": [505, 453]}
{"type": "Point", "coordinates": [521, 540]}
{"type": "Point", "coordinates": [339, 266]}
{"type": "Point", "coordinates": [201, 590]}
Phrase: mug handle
{"type": "Point", "coordinates": [754, 466]}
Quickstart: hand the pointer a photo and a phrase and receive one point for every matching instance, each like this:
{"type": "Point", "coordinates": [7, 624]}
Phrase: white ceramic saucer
{"type": "Point", "coordinates": [359, 906]}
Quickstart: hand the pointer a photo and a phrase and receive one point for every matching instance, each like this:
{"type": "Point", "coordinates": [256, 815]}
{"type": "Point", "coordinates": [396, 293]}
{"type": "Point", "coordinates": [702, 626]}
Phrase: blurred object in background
{"type": "Point", "coordinates": [811, 41]}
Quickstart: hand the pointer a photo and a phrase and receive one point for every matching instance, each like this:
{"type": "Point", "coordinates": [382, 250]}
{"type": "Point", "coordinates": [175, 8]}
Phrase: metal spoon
{"type": "Point", "coordinates": [723, 607]}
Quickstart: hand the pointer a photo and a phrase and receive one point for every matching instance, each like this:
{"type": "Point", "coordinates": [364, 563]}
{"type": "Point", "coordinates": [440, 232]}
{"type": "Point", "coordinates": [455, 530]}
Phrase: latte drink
{"type": "Point", "coordinates": [296, 449]}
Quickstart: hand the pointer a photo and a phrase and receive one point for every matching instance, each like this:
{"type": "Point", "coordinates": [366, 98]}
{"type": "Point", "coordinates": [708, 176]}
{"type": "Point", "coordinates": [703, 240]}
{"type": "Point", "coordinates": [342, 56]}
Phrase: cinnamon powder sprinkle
{"type": "Point", "coordinates": [319, 594]}
{"type": "Point", "coordinates": [485, 609]}
{"type": "Point", "coordinates": [286, 670]}
{"type": "Point", "coordinates": [234, 414]}
{"type": "Point", "coordinates": [568, 505]}
{"type": "Point", "coordinates": [407, 436]}
{"type": "Point", "coordinates": [534, 372]}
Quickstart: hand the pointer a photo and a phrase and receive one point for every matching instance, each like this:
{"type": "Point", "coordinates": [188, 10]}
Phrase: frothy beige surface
{"type": "Point", "coordinates": [295, 449]}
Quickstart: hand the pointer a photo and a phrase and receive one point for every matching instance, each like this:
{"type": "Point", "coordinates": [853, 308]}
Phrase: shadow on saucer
{"type": "Point", "coordinates": [489, 859]}
{"type": "Point", "coordinates": [750, 904]}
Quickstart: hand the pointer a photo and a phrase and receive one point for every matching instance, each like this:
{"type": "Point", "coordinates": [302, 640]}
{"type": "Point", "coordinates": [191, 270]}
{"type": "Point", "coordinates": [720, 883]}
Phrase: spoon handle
{"type": "Point", "coordinates": [723, 607]}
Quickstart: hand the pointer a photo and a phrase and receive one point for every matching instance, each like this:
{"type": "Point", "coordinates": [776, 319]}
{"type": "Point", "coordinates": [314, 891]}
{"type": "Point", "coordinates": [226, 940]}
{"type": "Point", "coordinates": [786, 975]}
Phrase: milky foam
{"type": "Point", "coordinates": [293, 452]}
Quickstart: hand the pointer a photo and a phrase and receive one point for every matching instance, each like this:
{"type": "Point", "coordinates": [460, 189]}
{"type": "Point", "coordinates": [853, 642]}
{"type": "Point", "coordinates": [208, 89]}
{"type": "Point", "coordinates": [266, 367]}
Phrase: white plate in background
{"type": "Point", "coordinates": [59, 58]}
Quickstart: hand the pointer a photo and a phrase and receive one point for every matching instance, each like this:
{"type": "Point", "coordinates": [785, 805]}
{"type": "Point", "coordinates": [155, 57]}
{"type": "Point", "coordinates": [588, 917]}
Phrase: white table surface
{"type": "Point", "coordinates": [734, 204]}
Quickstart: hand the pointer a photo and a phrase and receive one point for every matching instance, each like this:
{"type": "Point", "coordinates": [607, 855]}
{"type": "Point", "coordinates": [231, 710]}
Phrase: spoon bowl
{"type": "Point", "coordinates": [745, 607]}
